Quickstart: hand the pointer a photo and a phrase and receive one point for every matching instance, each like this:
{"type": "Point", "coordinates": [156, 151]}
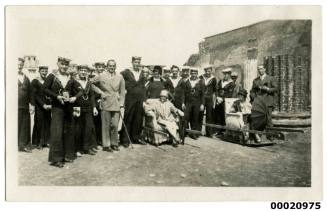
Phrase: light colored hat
{"type": "Point", "coordinates": [164, 93]}
{"type": "Point", "coordinates": [227, 70]}
{"type": "Point", "coordinates": [194, 69]}
{"type": "Point", "coordinates": [261, 67]}
{"type": "Point", "coordinates": [207, 66]}
{"type": "Point", "coordinates": [235, 74]}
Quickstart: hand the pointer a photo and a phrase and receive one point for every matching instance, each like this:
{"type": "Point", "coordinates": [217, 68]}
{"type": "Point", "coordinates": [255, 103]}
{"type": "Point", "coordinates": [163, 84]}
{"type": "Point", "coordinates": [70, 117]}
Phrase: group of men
{"type": "Point", "coordinates": [76, 111]}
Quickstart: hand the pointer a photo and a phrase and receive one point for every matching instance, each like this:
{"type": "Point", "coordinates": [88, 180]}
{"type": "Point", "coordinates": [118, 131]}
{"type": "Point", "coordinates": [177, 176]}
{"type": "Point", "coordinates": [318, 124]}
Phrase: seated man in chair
{"type": "Point", "coordinates": [164, 118]}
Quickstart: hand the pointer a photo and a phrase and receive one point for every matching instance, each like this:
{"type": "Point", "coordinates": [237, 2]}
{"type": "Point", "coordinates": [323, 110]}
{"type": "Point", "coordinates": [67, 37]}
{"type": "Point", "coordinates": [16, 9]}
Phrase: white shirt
{"type": "Point", "coordinates": [21, 78]}
{"type": "Point", "coordinates": [175, 81]}
{"type": "Point", "coordinates": [206, 80]}
{"type": "Point", "coordinates": [193, 82]}
{"type": "Point", "coordinates": [136, 74]}
{"type": "Point", "coordinates": [63, 79]}
{"type": "Point", "coordinates": [82, 82]}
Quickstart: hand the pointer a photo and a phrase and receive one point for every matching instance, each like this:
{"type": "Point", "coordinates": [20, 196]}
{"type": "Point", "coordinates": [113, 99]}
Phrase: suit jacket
{"type": "Point", "coordinates": [268, 95]}
{"type": "Point", "coordinates": [136, 90]}
{"type": "Point", "coordinates": [111, 89]}
{"type": "Point", "coordinates": [195, 95]}
{"type": "Point", "coordinates": [24, 94]}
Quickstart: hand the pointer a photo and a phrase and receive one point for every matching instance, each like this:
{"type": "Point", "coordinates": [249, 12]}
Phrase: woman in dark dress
{"type": "Point", "coordinates": [42, 117]}
{"type": "Point", "coordinates": [85, 108]}
{"type": "Point", "coordinates": [156, 84]}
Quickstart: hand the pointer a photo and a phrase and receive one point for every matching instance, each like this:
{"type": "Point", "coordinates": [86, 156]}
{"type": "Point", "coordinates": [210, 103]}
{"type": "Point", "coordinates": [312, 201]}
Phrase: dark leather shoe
{"type": "Point", "coordinates": [67, 160]}
{"type": "Point", "coordinates": [115, 148]}
{"type": "Point", "coordinates": [106, 149]}
{"type": "Point", "coordinates": [174, 144]}
{"type": "Point", "coordinates": [58, 164]}
{"type": "Point", "coordinates": [90, 152]}
{"type": "Point", "coordinates": [26, 150]}
{"type": "Point", "coordinates": [125, 145]}
{"type": "Point", "coordinates": [141, 142]}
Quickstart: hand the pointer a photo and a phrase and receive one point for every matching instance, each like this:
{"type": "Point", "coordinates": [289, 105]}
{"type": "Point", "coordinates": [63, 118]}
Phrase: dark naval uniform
{"type": "Point", "coordinates": [194, 98]}
{"type": "Point", "coordinates": [135, 96]}
{"type": "Point", "coordinates": [224, 91]}
{"type": "Point", "coordinates": [85, 135]}
{"type": "Point", "coordinates": [210, 96]}
{"type": "Point", "coordinates": [42, 117]}
{"type": "Point", "coordinates": [24, 119]}
{"type": "Point", "coordinates": [62, 122]}
{"type": "Point", "coordinates": [177, 92]}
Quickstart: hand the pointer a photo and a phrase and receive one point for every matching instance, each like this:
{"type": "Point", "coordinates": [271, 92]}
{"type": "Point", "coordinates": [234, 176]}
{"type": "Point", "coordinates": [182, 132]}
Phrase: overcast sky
{"type": "Point", "coordinates": [160, 34]}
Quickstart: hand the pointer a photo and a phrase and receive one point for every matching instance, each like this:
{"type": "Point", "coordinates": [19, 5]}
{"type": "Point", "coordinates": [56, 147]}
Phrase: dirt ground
{"type": "Point", "coordinates": [202, 162]}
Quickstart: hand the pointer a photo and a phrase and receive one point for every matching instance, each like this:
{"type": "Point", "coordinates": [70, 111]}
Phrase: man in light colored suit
{"type": "Point", "coordinates": [111, 87]}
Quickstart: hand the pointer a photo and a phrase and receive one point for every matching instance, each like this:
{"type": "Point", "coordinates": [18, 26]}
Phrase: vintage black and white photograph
{"type": "Point", "coordinates": [217, 97]}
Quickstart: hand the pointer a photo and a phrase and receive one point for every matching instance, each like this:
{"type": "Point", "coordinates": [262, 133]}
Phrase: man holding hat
{"type": "Point", "coordinates": [210, 83]}
{"type": "Point", "coordinates": [135, 96]}
{"type": "Point", "coordinates": [225, 88]}
{"type": "Point", "coordinates": [42, 117]}
{"type": "Point", "coordinates": [24, 105]}
{"type": "Point", "coordinates": [194, 101]}
{"type": "Point", "coordinates": [62, 124]}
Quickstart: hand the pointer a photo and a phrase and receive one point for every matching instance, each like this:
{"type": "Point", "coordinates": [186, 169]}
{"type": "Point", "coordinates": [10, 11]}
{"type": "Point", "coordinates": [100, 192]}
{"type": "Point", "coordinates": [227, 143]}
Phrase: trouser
{"type": "Point", "coordinates": [133, 118]}
{"type": "Point", "coordinates": [110, 120]}
{"type": "Point", "coordinates": [269, 116]}
{"type": "Point", "coordinates": [24, 128]}
{"type": "Point", "coordinates": [85, 138]}
{"type": "Point", "coordinates": [41, 129]}
{"type": "Point", "coordinates": [219, 113]}
{"type": "Point", "coordinates": [191, 115]}
{"type": "Point", "coordinates": [98, 127]}
{"type": "Point", "coordinates": [209, 115]}
{"type": "Point", "coordinates": [62, 133]}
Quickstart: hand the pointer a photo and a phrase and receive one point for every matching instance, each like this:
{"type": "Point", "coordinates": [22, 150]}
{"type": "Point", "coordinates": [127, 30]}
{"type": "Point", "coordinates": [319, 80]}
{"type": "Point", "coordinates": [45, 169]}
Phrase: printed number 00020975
{"type": "Point", "coordinates": [295, 205]}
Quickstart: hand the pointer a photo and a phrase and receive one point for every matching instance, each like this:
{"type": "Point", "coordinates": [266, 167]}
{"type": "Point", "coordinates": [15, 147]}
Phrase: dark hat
{"type": "Point", "coordinates": [80, 67]}
{"type": "Point", "coordinates": [242, 92]}
{"type": "Point", "coordinates": [43, 67]}
{"type": "Point", "coordinates": [99, 64]}
{"type": "Point", "coordinates": [21, 59]}
{"type": "Point", "coordinates": [136, 58]}
{"type": "Point", "coordinates": [63, 60]}
{"type": "Point", "coordinates": [157, 68]}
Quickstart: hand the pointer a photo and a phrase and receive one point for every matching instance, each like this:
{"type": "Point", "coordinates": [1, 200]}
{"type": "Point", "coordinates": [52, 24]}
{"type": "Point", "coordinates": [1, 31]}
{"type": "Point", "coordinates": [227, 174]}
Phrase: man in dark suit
{"type": "Point", "coordinates": [135, 96]}
{"type": "Point", "coordinates": [194, 101]}
{"type": "Point", "coordinates": [264, 86]}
